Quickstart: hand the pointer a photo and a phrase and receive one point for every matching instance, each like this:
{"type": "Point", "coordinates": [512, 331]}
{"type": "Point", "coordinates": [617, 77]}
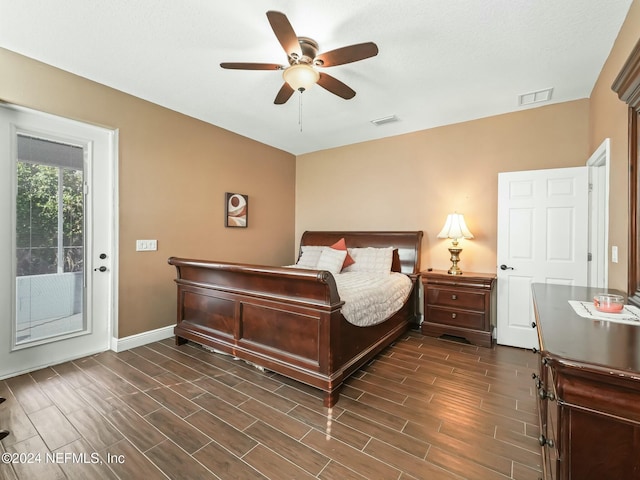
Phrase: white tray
{"type": "Point", "coordinates": [629, 314]}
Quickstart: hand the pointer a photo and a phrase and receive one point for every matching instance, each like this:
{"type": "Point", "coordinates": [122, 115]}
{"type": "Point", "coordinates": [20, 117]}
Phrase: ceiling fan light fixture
{"type": "Point", "coordinates": [301, 76]}
{"type": "Point", "coordinates": [303, 57]}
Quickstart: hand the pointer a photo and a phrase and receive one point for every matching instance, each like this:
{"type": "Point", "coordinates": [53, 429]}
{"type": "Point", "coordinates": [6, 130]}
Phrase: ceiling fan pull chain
{"type": "Point", "coordinates": [300, 110]}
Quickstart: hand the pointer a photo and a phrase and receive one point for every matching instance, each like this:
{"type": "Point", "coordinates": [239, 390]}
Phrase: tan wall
{"type": "Point", "coordinates": [609, 120]}
{"type": "Point", "coordinates": [413, 181]}
{"type": "Point", "coordinates": [174, 172]}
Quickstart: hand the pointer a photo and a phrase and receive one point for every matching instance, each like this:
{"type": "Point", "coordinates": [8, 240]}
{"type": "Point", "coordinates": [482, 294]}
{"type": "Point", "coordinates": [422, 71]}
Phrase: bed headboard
{"type": "Point", "coordinates": [406, 258]}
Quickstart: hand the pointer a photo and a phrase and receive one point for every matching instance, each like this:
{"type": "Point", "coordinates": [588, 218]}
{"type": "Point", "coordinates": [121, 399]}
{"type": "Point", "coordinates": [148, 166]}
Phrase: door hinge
{"type": "Point", "coordinates": [85, 189]}
{"type": "Point", "coordinates": [591, 187]}
{"type": "Point", "coordinates": [589, 257]}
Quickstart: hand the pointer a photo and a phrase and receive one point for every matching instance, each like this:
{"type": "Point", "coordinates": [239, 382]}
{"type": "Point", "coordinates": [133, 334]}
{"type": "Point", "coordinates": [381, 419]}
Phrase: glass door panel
{"type": "Point", "coordinates": [49, 253]}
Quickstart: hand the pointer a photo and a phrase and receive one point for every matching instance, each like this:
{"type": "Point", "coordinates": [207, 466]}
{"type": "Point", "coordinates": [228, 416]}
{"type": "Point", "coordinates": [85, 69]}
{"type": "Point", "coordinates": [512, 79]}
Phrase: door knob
{"type": "Point", "coordinates": [101, 269]}
{"type": "Point", "coordinates": [504, 267]}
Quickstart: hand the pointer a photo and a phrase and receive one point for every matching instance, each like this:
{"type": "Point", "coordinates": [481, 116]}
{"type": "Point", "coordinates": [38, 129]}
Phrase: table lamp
{"type": "Point", "coordinates": [455, 228]}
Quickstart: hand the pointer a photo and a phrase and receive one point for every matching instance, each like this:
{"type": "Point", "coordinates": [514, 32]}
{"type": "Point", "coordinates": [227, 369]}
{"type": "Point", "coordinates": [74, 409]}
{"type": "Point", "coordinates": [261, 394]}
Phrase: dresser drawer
{"type": "Point", "coordinates": [463, 319]}
{"type": "Point", "coordinates": [456, 298]}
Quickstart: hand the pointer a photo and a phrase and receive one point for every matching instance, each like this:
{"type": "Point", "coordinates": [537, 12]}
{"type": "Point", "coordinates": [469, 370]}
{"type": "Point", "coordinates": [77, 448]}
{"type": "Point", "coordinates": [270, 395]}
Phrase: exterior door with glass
{"type": "Point", "coordinates": [56, 256]}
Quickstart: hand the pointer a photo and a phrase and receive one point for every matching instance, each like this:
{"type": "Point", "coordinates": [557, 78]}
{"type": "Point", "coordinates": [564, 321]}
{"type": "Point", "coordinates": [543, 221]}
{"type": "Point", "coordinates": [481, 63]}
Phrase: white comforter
{"type": "Point", "coordinates": [368, 298]}
{"type": "Point", "coordinates": [371, 299]}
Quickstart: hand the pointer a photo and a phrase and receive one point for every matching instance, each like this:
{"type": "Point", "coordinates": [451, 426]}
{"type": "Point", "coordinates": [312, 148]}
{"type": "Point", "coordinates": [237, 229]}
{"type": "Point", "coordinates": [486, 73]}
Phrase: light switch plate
{"type": "Point", "coordinates": [146, 245]}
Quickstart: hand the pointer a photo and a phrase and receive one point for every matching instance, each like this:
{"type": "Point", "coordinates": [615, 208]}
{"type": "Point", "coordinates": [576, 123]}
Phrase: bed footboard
{"type": "Point", "coordinates": [278, 318]}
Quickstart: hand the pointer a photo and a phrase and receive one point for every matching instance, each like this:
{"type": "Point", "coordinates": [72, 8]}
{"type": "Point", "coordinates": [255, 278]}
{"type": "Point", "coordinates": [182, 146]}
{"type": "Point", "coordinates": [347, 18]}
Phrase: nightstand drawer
{"type": "Point", "coordinates": [454, 317]}
{"type": "Point", "coordinates": [459, 305]}
{"type": "Point", "coordinates": [456, 298]}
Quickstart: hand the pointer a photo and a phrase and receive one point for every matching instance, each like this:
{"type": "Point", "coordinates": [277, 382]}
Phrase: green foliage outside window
{"type": "Point", "coordinates": [39, 194]}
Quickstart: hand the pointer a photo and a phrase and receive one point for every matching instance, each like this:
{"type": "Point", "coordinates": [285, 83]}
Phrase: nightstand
{"type": "Point", "coordinates": [459, 305]}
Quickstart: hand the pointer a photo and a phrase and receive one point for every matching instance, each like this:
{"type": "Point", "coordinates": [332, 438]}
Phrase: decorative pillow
{"type": "Point", "coordinates": [331, 260]}
{"type": "Point", "coordinates": [310, 256]}
{"type": "Point", "coordinates": [342, 245]}
{"type": "Point", "coordinates": [371, 260]}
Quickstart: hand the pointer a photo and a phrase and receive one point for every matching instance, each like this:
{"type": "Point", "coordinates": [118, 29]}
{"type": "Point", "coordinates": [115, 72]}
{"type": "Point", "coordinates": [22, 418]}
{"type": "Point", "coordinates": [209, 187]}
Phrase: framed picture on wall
{"type": "Point", "coordinates": [236, 209]}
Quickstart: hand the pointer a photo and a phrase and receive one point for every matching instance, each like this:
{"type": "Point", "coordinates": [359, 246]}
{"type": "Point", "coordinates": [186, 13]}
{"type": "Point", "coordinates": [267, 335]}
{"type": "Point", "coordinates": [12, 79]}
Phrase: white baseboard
{"type": "Point", "coordinates": [140, 339]}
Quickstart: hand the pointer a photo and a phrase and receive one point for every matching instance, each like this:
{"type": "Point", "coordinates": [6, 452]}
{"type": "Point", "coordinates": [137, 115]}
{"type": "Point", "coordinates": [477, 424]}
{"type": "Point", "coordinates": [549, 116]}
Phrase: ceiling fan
{"type": "Point", "coordinates": [302, 54]}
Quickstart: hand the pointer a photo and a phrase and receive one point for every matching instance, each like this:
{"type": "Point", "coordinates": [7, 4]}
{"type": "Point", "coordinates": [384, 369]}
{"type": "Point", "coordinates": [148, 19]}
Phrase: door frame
{"type": "Point", "coordinates": [113, 149]}
{"type": "Point", "coordinates": [115, 242]}
{"type": "Point", "coordinates": [599, 215]}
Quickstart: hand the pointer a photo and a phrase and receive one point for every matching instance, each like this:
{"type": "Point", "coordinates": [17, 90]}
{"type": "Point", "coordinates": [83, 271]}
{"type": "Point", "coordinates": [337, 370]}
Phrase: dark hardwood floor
{"type": "Point", "coordinates": [423, 409]}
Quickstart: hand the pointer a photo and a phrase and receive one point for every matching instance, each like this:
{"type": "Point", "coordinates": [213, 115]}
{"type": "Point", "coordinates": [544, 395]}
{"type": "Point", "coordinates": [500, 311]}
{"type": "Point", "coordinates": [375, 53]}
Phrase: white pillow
{"type": "Point", "coordinates": [310, 256]}
{"type": "Point", "coordinates": [371, 260]}
{"type": "Point", "coordinates": [331, 260]}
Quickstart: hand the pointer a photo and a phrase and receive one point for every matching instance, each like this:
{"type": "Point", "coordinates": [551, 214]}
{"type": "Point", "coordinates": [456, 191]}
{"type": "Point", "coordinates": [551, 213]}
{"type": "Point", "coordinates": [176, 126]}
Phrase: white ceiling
{"type": "Point", "coordinates": [440, 61]}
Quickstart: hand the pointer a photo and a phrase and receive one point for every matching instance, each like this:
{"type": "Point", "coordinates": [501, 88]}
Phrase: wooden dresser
{"type": "Point", "coordinates": [588, 389]}
{"type": "Point", "coordinates": [459, 305]}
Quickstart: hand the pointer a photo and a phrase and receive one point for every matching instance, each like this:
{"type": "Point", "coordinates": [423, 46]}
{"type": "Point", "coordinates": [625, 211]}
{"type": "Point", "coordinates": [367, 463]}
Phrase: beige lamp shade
{"type": "Point", "coordinates": [455, 227]}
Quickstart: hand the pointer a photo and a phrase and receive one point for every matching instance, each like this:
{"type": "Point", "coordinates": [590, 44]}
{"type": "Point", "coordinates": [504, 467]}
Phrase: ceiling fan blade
{"type": "Point", "coordinates": [335, 86]}
{"type": "Point", "coordinates": [349, 54]}
{"type": "Point", "coordinates": [251, 66]}
{"type": "Point", "coordinates": [284, 33]}
{"type": "Point", "coordinates": [284, 94]}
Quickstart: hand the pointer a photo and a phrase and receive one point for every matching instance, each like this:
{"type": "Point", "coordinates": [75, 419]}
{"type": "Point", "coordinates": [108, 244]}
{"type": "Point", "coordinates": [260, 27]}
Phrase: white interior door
{"type": "Point", "coordinates": [56, 259]}
{"type": "Point", "coordinates": [542, 237]}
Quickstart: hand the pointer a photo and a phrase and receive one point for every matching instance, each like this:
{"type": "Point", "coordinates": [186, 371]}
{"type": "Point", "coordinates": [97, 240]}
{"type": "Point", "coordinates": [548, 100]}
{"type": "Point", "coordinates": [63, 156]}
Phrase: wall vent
{"type": "Point", "coordinates": [381, 121]}
{"type": "Point", "coordinates": [538, 96]}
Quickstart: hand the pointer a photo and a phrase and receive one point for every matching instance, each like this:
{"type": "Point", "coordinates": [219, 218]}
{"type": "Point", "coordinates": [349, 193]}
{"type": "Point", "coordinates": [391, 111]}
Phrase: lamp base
{"type": "Point", "coordinates": [455, 258]}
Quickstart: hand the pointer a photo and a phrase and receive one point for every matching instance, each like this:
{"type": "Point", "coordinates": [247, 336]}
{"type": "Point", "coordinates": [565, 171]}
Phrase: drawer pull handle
{"type": "Point", "coordinates": [545, 441]}
{"type": "Point", "coordinates": [454, 315]}
{"type": "Point", "coordinates": [537, 379]}
{"type": "Point", "coordinates": [543, 394]}
{"type": "Point", "coordinates": [454, 297]}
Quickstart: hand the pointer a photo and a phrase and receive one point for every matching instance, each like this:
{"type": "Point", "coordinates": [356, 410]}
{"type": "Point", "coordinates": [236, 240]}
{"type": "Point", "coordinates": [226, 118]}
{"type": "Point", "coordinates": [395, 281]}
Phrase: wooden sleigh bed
{"type": "Point", "coordinates": [288, 320]}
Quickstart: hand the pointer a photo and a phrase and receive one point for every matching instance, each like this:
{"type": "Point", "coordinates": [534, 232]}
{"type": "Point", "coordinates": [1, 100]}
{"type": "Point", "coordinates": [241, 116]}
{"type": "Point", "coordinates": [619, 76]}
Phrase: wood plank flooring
{"type": "Point", "coordinates": [425, 408]}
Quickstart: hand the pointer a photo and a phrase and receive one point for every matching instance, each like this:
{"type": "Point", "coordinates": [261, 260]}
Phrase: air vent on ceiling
{"type": "Point", "coordinates": [381, 121]}
{"type": "Point", "coordinates": [538, 96]}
